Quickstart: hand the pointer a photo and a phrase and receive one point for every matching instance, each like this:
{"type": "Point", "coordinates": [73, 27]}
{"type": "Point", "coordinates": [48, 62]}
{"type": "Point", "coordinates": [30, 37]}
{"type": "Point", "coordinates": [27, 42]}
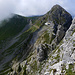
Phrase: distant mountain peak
{"type": "Point", "coordinates": [59, 15]}
{"type": "Point", "coordinates": [57, 5]}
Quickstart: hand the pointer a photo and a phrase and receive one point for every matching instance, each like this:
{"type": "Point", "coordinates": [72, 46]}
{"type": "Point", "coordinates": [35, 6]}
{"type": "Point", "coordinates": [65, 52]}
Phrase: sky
{"type": "Point", "coordinates": [32, 7]}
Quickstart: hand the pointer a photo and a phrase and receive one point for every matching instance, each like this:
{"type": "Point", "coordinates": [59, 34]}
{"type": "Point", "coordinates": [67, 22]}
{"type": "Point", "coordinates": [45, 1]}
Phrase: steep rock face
{"type": "Point", "coordinates": [60, 33]}
{"type": "Point", "coordinates": [62, 20]}
{"type": "Point", "coordinates": [65, 52]}
{"type": "Point", "coordinates": [42, 52]}
{"type": "Point", "coordinates": [58, 21]}
{"type": "Point", "coordinates": [57, 17]}
{"type": "Point", "coordinates": [60, 16]}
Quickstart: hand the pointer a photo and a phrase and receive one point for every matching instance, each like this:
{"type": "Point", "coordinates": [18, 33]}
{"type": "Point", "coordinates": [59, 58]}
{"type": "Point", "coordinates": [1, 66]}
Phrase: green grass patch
{"type": "Point", "coordinates": [34, 66]}
{"type": "Point", "coordinates": [69, 71]}
{"type": "Point", "coordinates": [73, 32]}
{"type": "Point", "coordinates": [12, 27]}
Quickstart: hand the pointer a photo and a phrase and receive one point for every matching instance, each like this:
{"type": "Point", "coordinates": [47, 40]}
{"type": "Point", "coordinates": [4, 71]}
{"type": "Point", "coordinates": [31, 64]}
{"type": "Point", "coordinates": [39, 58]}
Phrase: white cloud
{"type": "Point", "coordinates": [6, 8]}
{"type": "Point", "coordinates": [32, 7]}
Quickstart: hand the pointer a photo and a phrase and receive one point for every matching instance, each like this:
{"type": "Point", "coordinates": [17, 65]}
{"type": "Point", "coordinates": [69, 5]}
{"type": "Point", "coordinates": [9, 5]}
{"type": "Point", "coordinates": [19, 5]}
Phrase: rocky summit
{"type": "Point", "coordinates": [39, 45]}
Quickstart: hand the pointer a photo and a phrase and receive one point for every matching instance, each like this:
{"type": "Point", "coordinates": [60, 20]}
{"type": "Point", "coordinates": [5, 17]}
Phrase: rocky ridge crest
{"type": "Point", "coordinates": [44, 49]}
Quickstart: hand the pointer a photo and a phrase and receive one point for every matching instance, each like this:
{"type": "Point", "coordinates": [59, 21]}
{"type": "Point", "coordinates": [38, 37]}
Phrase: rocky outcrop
{"type": "Point", "coordinates": [42, 52]}
{"type": "Point", "coordinates": [62, 21]}
{"type": "Point", "coordinates": [59, 20]}
{"type": "Point", "coordinates": [60, 16]}
{"type": "Point", "coordinates": [60, 33]}
{"type": "Point", "coordinates": [65, 52]}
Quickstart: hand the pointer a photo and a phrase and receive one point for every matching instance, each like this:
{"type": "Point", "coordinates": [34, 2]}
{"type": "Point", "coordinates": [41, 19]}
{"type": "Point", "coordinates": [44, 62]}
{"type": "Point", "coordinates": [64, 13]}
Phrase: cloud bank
{"type": "Point", "coordinates": [32, 7]}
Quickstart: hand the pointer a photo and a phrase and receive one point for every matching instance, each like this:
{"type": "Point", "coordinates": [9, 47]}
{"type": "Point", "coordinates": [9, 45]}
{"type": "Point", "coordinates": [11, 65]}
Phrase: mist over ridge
{"type": "Point", "coordinates": [32, 7]}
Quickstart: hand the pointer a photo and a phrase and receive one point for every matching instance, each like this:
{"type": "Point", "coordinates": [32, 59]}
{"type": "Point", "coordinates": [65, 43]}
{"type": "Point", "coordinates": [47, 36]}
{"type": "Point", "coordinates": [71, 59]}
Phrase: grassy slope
{"type": "Point", "coordinates": [12, 27]}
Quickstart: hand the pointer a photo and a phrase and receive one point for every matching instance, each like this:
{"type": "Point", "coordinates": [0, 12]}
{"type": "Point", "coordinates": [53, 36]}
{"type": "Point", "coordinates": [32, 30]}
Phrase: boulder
{"type": "Point", "coordinates": [28, 69]}
{"type": "Point", "coordinates": [42, 52]}
{"type": "Point", "coordinates": [46, 73]}
{"type": "Point", "coordinates": [60, 33]}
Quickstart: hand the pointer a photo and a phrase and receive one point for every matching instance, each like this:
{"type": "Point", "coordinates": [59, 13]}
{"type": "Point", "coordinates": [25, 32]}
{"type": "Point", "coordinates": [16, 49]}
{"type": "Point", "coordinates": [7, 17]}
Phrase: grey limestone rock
{"type": "Point", "coordinates": [60, 33]}
{"type": "Point", "coordinates": [42, 52]}
{"type": "Point", "coordinates": [60, 16]}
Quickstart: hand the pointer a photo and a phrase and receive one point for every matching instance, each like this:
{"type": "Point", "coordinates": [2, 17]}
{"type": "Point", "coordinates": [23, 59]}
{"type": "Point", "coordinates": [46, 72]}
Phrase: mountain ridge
{"type": "Point", "coordinates": [33, 52]}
